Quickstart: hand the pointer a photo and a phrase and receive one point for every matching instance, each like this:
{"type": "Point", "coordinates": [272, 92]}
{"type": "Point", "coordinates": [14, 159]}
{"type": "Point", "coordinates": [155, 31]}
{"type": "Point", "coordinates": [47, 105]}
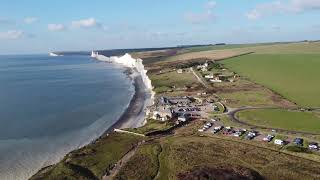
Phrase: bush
{"type": "Point", "coordinates": [298, 149]}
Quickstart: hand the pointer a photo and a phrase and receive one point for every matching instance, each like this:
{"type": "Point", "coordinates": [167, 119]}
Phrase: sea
{"type": "Point", "coordinates": [50, 106]}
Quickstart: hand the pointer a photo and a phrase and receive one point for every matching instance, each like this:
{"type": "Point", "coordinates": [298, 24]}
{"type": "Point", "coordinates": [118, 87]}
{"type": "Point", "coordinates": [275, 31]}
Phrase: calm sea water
{"type": "Point", "coordinates": [52, 105]}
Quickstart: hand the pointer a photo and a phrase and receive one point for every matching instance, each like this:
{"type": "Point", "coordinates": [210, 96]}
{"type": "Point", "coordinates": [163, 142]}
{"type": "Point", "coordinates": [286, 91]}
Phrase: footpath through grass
{"type": "Point", "coordinates": [278, 118]}
{"type": "Point", "coordinates": [92, 161]}
{"type": "Point", "coordinates": [294, 76]}
{"type": "Point", "coordinates": [143, 165]}
{"type": "Point", "coordinates": [152, 126]}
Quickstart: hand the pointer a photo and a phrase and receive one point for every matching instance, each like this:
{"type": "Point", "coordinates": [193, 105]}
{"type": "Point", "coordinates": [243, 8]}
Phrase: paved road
{"type": "Point", "coordinates": [232, 115]}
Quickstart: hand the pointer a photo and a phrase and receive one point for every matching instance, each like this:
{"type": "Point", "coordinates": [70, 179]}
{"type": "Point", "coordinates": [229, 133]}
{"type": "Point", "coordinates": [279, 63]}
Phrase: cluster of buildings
{"type": "Point", "coordinates": [218, 78]}
{"type": "Point", "coordinates": [181, 109]}
{"type": "Point", "coordinates": [203, 67]}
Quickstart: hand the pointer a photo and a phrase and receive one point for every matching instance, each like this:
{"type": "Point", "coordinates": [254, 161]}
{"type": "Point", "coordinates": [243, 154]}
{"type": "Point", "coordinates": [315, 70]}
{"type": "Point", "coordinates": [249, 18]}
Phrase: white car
{"type": "Point", "coordinates": [313, 146]}
{"type": "Point", "coordinates": [236, 135]}
{"type": "Point", "coordinates": [253, 134]}
{"type": "Point", "coordinates": [200, 130]}
{"type": "Point", "coordinates": [278, 142]}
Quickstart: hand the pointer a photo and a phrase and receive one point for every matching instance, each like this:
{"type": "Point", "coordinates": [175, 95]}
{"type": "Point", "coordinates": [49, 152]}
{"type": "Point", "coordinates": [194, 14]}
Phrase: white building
{"type": "Point", "coordinates": [203, 67]}
{"type": "Point", "coordinates": [163, 114]}
{"type": "Point", "coordinates": [209, 76]}
{"type": "Point", "coordinates": [216, 80]}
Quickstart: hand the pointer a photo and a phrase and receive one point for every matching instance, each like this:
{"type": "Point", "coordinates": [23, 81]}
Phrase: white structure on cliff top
{"type": "Point", "coordinates": [94, 54]}
{"type": "Point", "coordinates": [53, 54]}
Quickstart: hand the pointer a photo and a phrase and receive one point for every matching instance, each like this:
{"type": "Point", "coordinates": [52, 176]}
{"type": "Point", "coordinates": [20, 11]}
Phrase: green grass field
{"type": "Point", "coordinates": [248, 98]}
{"type": "Point", "coordinates": [294, 76]}
{"type": "Point", "coordinates": [164, 82]}
{"type": "Point", "coordinates": [277, 118]}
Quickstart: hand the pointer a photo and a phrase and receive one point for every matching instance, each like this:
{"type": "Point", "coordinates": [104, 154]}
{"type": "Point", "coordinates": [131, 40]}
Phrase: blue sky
{"type": "Point", "coordinates": [38, 26]}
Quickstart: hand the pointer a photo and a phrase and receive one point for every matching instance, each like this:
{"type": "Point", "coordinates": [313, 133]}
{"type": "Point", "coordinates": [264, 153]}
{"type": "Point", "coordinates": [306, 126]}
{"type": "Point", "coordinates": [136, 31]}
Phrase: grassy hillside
{"type": "Point", "coordinates": [190, 156]}
{"type": "Point", "coordinates": [277, 118]}
{"type": "Point", "coordinates": [143, 165]}
{"type": "Point", "coordinates": [295, 76]}
{"type": "Point", "coordinates": [92, 161]}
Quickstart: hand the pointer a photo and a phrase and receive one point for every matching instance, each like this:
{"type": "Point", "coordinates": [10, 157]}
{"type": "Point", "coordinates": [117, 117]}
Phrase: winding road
{"type": "Point", "coordinates": [231, 112]}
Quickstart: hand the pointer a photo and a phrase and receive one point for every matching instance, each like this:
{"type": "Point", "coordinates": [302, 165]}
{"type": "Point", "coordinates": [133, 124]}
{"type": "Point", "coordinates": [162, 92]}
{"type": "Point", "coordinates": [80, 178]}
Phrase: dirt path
{"type": "Point", "coordinates": [121, 163]}
{"type": "Point", "coordinates": [158, 156]}
{"type": "Point", "coordinates": [199, 78]}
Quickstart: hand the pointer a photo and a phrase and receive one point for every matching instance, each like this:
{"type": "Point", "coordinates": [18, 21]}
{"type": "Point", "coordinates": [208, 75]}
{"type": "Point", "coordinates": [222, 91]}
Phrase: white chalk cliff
{"type": "Point", "coordinates": [130, 62]}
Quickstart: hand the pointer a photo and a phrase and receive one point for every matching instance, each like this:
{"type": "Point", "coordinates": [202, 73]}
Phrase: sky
{"type": "Point", "coordinates": [39, 26]}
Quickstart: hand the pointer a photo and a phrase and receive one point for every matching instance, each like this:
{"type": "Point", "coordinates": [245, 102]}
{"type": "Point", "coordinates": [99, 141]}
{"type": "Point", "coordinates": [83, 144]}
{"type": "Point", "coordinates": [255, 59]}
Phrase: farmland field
{"type": "Point", "coordinates": [278, 118]}
{"type": "Point", "coordinates": [294, 76]}
{"type": "Point", "coordinates": [165, 81]}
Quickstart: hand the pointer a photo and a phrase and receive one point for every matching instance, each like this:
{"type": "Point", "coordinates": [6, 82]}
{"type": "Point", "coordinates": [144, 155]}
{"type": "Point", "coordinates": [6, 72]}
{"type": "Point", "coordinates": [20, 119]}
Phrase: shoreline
{"type": "Point", "coordinates": [134, 114]}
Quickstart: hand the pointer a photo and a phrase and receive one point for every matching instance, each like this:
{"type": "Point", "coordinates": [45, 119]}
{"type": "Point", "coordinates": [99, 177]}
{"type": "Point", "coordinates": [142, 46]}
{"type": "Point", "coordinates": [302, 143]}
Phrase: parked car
{"type": "Point", "coordinates": [251, 135]}
{"type": "Point", "coordinates": [298, 141]}
{"type": "Point", "coordinates": [228, 131]}
{"type": "Point", "coordinates": [313, 146]}
{"type": "Point", "coordinates": [278, 142]}
{"type": "Point", "coordinates": [268, 138]}
{"type": "Point", "coordinates": [238, 133]}
{"type": "Point", "coordinates": [214, 131]}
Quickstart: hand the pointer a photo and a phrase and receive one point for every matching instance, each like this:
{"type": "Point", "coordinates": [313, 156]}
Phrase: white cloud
{"type": "Point", "coordinates": [30, 20]}
{"type": "Point", "coordinates": [85, 23]}
{"type": "Point", "coordinates": [207, 16]}
{"type": "Point", "coordinates": [56, 27]}
{"type": "Point", "coordinates": [281, 6]}
{"type": "Point", "coordinates": [210, 4]}
{"type": "Point", "coordinates": [12, 34]}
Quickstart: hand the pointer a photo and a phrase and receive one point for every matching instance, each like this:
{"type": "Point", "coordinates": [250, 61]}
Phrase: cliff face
{"type": "Point", "coordinates": [130, 62]}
